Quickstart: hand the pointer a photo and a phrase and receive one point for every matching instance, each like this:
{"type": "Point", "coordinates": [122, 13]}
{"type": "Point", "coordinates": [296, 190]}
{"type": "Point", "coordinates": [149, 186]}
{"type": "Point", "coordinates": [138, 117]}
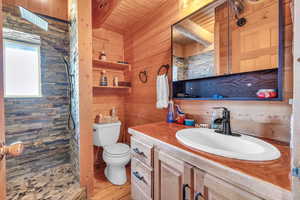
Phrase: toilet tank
{"type": "Point", "coordinates": [106, 134]}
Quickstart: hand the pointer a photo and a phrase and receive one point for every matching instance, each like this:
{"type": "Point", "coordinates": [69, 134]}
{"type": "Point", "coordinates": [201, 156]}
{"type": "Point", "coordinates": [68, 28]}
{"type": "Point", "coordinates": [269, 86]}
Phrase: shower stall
{"type": "Point", "coordinates": [42, 122]}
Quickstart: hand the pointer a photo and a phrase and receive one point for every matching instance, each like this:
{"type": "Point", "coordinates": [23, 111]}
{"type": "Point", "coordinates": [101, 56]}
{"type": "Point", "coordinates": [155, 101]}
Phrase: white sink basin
{"type": "Point", "coordinates": [243, 148]}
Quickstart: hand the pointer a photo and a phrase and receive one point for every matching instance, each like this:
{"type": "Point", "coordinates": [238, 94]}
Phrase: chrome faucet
{"type": "Point", "coordinates": [225, 122]}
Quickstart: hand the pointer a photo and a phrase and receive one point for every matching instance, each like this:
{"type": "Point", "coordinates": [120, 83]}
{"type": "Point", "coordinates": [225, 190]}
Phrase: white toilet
{"type": "Point", "coordinates": [116, 155]}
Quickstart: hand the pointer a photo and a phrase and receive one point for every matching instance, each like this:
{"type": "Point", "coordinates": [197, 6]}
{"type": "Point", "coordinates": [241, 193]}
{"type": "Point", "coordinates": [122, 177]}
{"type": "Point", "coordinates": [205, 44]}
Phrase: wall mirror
{"type": "Point", "coordinates": [229, 49]}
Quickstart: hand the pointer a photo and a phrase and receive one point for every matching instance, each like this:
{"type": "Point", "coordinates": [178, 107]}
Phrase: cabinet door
{"type": "Point", "coordinates": [172, 179]}
{"type": "Point", "coordinates": [199, 191]}
{"type": "Point", "coordinates": [217, 189]}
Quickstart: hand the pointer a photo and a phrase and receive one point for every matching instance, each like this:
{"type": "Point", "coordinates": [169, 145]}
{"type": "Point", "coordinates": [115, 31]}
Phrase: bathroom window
{"type": "Point", "coordinates": [22, 77]}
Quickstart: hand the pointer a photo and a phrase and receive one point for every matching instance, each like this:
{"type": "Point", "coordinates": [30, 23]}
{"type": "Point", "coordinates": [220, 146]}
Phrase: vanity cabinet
{"type": "Point", "coordinates": [158, 175]}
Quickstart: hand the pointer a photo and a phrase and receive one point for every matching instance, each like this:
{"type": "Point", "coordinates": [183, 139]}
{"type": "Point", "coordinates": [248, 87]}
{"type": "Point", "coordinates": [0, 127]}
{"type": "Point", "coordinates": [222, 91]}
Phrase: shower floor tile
{"type": "Point", "coordinates": [52, 184]}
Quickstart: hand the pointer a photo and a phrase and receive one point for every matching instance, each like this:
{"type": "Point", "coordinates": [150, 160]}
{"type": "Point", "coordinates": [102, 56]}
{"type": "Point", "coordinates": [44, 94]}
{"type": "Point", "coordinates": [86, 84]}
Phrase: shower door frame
{"type": "Point", "coordinates": [2, 126]}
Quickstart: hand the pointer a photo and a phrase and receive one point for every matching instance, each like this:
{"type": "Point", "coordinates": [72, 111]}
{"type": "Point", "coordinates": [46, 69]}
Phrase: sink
{"type": "Point", "coordinates": [242, 148]}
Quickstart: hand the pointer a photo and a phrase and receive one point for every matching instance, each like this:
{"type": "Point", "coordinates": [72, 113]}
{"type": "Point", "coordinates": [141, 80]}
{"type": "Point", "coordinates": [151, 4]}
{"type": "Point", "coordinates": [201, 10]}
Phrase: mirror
{"type": "Point", "coordinates": [226, 37]}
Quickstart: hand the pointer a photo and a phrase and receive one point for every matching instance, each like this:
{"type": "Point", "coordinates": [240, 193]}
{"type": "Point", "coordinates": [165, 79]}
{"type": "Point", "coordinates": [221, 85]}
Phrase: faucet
{"type": "Point", "coordinates": [225, 121]}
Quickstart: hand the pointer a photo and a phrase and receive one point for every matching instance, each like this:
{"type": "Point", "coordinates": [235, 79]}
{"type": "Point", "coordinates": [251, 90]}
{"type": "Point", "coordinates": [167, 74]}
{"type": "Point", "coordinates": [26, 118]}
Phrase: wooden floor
{"type": "Point", "coordinates": [104, 190]}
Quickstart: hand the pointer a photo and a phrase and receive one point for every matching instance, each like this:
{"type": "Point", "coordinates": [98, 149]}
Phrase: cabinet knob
{"type": "Point", "coordinates": [298, 59]}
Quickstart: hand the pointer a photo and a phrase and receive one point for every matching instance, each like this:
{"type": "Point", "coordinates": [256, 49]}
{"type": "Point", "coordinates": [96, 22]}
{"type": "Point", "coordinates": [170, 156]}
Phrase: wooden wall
{"type": "Point", "coordinates": [112, 43]}
{"type": "Point", "coordinates": [148, 46]}
{"type": "Point", "coordinates": [53, 8]}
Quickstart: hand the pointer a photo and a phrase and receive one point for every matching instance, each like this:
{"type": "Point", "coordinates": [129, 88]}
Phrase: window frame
{"type": "Point", "coordinates": [38, 47]}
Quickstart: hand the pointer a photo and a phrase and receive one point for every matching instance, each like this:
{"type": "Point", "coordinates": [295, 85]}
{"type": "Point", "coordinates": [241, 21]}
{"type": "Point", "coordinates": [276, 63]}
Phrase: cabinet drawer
{"type": "Point", "coordinates": [141, 176]}
{"type": "Point", "coordinates": [218, 189]}
{"type": "Point", "coordinates": [142, 151]}
{"type": "Point", "coordinates": [137, 193]}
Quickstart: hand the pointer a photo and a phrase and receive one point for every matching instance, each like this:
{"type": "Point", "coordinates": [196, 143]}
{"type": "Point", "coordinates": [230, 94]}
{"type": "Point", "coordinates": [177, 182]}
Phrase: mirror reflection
{"type": "Point", "coordinates": [226, 37]}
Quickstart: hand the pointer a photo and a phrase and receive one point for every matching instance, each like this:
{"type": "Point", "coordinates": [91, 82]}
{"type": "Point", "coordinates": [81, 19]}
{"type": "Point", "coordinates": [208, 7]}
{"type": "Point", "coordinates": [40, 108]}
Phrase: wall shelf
{"type": "Point", "coordinates": [242, 86]}
{"type": "Point", "coordinates": [112, 87]}
{"type": "Point", "coordinates": [99, 64]}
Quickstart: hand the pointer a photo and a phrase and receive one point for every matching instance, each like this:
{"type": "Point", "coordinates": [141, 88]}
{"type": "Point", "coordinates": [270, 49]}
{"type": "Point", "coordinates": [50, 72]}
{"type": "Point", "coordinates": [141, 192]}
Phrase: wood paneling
{"type": "Point", "coordinates": [148, 46]}
{"type": "Point", "coordinates": [255, 45]}
{"type": "Point", "coordinates": [2, 126]}
{"type": "Point", "coordinates": [104, 100]}
{"type": "Point", "coordinates": [110, 42]}
{"type": "Point", "coordinates": [102, 9]}
{"type": "Point", "coordinates": [53, 8]}
{"type": "Point", "coordinates": [129, 12]}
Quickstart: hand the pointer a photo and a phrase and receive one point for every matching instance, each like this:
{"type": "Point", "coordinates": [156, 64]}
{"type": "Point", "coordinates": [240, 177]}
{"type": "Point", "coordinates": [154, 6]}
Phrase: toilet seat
{"type": "Point", "coordinates": [116, 150]}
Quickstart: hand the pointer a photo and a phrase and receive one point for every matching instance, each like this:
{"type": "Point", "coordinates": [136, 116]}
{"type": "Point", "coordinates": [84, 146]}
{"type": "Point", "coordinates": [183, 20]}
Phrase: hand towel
{"type": "Point", "coordinates": [162, 92]}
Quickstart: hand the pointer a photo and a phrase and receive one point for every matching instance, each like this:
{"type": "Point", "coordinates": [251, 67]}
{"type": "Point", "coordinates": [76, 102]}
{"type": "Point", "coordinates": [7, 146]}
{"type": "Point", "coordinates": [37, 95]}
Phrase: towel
{"type": "Point", "coordinates": [162, 92]}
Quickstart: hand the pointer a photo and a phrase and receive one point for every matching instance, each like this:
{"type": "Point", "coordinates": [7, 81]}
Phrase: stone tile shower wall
{"type": "Point", "coordinates": [192, 67]}
{"type": "Point", "coordinates": [74, 66]}
{"type": "Point", "coordinates": [41, 123]}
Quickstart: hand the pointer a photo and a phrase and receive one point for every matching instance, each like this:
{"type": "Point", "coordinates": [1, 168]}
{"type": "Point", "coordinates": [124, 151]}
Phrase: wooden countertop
{"type": "Point", "coordinates": [275, 172]}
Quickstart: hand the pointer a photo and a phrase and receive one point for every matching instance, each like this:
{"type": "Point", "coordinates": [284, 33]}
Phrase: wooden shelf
{"type": "Point", "coordinates": [99, 64]}
{"type": "Point", "coordinates": [112, 87]}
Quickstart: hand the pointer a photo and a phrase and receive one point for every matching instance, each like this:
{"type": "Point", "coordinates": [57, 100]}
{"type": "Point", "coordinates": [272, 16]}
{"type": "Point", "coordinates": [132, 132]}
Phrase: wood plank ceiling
{"type": "Point", "coordinates": [122, 14]}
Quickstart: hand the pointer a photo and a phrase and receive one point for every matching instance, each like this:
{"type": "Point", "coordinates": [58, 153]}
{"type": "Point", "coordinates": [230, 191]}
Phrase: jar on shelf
{"type": "Point", "coordinates": [102, 56]}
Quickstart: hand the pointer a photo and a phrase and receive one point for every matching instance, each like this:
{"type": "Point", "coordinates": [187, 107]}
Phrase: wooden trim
{"type": "Point", "coordinates": [296, 102]}
{"type": "Point", "coordinates": [85, 54]}
{"type": "Point", "coordinates": [2, 126]}
{"type": "Point", "coordinates": [156, 180]}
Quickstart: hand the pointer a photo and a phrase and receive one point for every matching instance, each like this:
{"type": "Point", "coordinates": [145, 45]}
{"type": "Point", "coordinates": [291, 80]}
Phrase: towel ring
{"type": "Point", "coordinates": [143, 76]}
{"type": "Point", "coordinates": [163, 67]}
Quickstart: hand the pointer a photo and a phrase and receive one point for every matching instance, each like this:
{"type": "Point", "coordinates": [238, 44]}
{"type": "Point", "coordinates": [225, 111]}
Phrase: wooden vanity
{"type": "Point", "coordinates": [164, 169]}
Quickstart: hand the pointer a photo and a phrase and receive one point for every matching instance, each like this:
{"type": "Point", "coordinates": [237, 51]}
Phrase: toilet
{"type": "Point", "coordinates": [115, 155]}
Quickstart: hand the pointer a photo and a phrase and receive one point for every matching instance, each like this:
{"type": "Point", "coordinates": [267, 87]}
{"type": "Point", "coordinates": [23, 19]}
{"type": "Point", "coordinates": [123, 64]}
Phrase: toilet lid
{"type": "Point", "coordinates": [117, 149]}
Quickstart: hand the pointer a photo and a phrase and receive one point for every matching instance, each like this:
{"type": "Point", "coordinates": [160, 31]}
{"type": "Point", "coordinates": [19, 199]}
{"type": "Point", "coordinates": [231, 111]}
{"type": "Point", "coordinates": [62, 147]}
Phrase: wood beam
{"type": "Point", "coordinates": [187, 33]}
{"type": "Point", "coordinates": [197, 30]}
{"type": "Point", "coordinates": [102, 9]}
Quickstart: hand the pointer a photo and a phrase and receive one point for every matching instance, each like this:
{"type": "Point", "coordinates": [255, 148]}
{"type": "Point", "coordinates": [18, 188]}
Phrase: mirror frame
{"type": "Point", "coordinates": [281, 57]}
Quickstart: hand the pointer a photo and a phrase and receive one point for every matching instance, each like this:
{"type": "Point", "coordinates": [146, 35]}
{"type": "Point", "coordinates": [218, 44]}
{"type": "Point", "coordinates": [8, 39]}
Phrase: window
{"type": "Point", "coordinates": [21, 69]}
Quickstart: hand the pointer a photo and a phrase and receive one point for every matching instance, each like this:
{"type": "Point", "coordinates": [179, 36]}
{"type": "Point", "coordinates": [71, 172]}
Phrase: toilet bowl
{"type": "Point", "coordinates": [115, 155]}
